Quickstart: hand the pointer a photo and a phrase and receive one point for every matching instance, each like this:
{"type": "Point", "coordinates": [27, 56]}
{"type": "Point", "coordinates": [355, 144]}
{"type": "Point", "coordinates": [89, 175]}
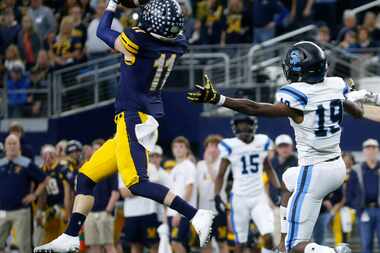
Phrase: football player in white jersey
{"type": "Point", "coordinates": [246, 154]}
{"type": "Point", "coordinates": [314, 105]}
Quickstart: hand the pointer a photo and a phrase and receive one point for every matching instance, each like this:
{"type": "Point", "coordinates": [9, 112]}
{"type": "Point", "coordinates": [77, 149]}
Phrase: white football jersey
{"type": "Point", "coordinates": [246, 163]}
{"type": "Point", "coordinates": [318, 136]}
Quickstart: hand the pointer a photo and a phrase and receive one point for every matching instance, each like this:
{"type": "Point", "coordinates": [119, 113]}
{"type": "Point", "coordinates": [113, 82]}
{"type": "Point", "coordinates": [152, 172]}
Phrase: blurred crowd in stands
{"type": "Point", "coordinates": [36, 194]}
{"type": "Point", "coordinates": [38, 36]}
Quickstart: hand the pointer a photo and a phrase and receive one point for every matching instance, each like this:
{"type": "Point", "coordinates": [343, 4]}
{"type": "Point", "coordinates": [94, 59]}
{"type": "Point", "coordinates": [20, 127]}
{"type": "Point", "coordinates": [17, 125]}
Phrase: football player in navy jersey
{"type": "Point", "coordinates": [149, 52]}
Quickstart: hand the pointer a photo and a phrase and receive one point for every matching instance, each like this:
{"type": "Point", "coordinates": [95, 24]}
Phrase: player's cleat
{"type": "Point", "coordinates": [63, 244]}
{"type": "Point", "coordinates": [202, 223]}
{"type": "Point", "coordinates": [343, 248]}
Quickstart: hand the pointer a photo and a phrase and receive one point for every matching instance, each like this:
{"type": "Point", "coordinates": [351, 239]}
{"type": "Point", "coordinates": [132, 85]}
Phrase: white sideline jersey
{"type": "Point", "coordinates": [246, 163]}
{"type": "Point", "coordinates": [206, 184]}
{"type": "Point", "coordinates": [318, 136]}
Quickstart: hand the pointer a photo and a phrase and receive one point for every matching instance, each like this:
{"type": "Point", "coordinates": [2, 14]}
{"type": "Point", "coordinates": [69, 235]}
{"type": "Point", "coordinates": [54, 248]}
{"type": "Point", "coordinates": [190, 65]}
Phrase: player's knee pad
{"type": "Point", "coordinates": [315, 248]}
{"type": "Point", "coordinates": [85, 185]}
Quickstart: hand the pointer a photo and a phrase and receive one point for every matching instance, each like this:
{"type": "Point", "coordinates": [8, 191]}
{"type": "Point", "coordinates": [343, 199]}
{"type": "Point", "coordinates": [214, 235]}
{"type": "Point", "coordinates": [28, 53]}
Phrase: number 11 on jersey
{"type": "Point", "coordinates": [164, 65]}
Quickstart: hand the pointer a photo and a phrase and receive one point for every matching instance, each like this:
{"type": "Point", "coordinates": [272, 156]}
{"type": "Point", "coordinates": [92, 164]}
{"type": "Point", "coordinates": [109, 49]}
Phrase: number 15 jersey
{"type": "Point", "coordinates": [318, 136]}
{"type": "Point", "coordinates": [144, 71]}
{"type": "Point", "coordinates": [246, 163]}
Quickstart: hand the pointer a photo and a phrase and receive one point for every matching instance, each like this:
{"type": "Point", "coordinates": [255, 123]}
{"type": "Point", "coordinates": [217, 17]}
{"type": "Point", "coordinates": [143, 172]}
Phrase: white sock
{"type": "Point", "coordinates": [264, 250]}
{"type": "Point", "coordinates": [315, 248]}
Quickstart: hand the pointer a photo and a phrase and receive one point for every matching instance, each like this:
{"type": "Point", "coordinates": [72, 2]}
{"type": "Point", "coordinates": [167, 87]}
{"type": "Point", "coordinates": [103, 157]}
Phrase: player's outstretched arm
{"type": "Point", "coordinates": [104, 31]}
{"type": "Point", "coordinates": [353, 109]}
{"type": "Point", "coordinates": [206, 93]}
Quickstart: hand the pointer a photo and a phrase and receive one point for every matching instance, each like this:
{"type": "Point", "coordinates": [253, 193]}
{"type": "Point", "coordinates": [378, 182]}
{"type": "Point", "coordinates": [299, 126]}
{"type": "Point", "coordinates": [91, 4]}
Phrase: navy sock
{"type": "Point", "coordinates": [183, 207]}
{"type": "Point", "coordinates": [75, 224]}
{"type": "Point", "coordinates": [158, 193]}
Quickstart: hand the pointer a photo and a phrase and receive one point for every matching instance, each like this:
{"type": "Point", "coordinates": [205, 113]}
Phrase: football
{"type": "Point", "coordinates": [133, 3]}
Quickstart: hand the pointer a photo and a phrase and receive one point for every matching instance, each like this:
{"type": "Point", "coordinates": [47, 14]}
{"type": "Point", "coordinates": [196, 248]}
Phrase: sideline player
{"type": "Point", "coordinates": [246, 154]}
{"type": "Point", "coordinates": [207, 170]}
{"type": "Point", "coordinates": [149, 53]}
{"type": "Point", "coordinates": [314, 104]}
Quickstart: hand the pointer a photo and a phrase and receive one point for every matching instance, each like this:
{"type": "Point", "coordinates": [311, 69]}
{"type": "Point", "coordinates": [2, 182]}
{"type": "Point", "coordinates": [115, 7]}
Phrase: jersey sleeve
{"type": "Point", "coordinates": [292, 97]}
{"type": "Point", "coordinates": [268, 144]}
{"type": "Point", "coordinates": [130, 43]}
{"type": "Point", "coordinates": [224, 149]}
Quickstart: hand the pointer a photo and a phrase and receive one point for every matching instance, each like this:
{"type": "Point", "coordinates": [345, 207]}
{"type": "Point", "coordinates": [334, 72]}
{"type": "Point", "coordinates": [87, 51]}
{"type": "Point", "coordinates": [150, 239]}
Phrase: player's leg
{"type": "Point", "coordinates": [240, 217]}
{"type": "Point", "coordinates": [101, 165]}
{"type": "Point", "coordinates": [306, 201]}
{"type": "Point", "coordinates": [132, 162]}
{"type": "Point", "coordinates": [262, 216]}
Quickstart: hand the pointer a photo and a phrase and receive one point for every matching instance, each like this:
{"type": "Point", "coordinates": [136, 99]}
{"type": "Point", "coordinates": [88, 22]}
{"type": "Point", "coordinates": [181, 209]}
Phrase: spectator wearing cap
{"type": "Point", "coordinates": [73, 159]}
{"type": "Point", "coordinates": [369, 187]}
{"type": "Point", "coordinates": [17, 129]}
{"type": "Point", "coordinates": [18, 174]}
{"type": "Point", "coordinates": [349, 24]}
{"type": "Point", "coordinates": [43, 18]}
{"type": "Point", "coordinates": [283, 159]}
{"type": "Point", "coordinates": [99, 225]}
{"type": "Point", "coordinates": [265, 16]}
{"type": "Point", "coordinates": [18, 98]}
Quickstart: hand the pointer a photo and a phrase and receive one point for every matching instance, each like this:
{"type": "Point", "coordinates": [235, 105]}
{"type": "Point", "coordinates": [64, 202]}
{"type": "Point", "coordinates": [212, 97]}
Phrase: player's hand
{"type": "Point", "coordinates": [220, 206]}
{"type": "Point", "coordinates": [205, 93]}
{"type": "Point", "coordinates": [29, 198]}
{"type": "Point", "coordinates": [373, 98]}
{"type": "Point", "coordinates": [358, 95]}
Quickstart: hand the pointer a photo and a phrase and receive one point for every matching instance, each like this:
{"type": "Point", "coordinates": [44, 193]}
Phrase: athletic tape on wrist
{"type": "Point", "coordinates": [284, 221]}
{"type": "Point", "coordinates": [221, 101]}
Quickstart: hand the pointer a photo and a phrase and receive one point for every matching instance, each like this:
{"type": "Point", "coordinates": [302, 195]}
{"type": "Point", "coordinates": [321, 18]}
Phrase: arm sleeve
{"type": "Point", "coordinates": [291, 97]}
{"type": "Point", "coordinates": [268, 144]}
{"type": "Point", "coordinates": [225, 150]}
{"type": "Point", "coordinates": [104, 31]}
{"type": "Point", "coordinates": [35, 173]}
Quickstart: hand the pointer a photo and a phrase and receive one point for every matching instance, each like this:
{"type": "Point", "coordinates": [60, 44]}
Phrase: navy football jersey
{"type": "Point", "coordinates": [145, 70]}
{"type": "Point", "coordinates": [55, 189]}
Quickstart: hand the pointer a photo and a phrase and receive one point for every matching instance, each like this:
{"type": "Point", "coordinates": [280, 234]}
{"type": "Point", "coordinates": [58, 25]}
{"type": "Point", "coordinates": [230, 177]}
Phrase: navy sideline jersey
{"type": "Point", "coordinates": [55, 188]}
{"type": "Point", "coordinates": [15, 181]}
{"type": "Point", "coordinates": [144, 72]}
{"type": "Point", "coordinates": [102, 192]}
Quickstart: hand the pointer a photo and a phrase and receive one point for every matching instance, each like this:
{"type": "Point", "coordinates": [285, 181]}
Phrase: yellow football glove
{"type": "Point", "coordinates": [205, 93]}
